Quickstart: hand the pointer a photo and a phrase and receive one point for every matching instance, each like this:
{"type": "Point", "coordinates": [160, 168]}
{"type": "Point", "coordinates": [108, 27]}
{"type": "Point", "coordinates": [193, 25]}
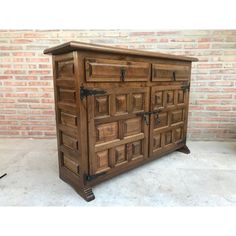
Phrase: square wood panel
{"type": "Point", "coordinates": [132, 126]}
{"type": "Point", "coordinates": [177, 116]}
{"type": "Point", "coordinates": [121, 103]}
{"type": "Point", "coordinates": [102, 161]}
{"type": "Point", "coordinates": [69, 142]}
{"type": "Point", "coordinates": [169, 97]}
{"type": "Point", "coordinates": [168, 137]}
{"type": "Point", "coordinates": [107, 132]}
{"type": "Point", "coordinates": [65, 68]}
{"type": "Point", "coordinates": [178, 133]}
{"type": "Point", "coordinates": [120, 155]}
{"type": "Point", "coordinates": [68, 119]}
{"type": "Point", "coordinates": [138, 101]}
{"type": "Point", "coordinates": [163, 116]}
{"type": "Point", "coordinates": [101, 106]}
{"type": "Point", "coordinates": [134, 150]}
{"type": "Point", "coordinates": [70, 164]}
{"type": "Point", "coordinates": [158, 99]}
{"type": "Point", "coordinates": [180, 97]}
{"type": "Point", "coordinates": [156, 141]}
{"type": "Point", "coordinates": [67, 95]}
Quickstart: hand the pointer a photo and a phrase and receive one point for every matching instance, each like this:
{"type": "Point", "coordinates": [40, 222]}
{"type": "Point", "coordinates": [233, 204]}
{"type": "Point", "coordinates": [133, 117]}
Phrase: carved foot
{"type": "Point", "coordinates": [87, 194]}
{"type": "Point", "coordinates": [184, 149]}
{"type": "Point", "coordinates": [84, 191]}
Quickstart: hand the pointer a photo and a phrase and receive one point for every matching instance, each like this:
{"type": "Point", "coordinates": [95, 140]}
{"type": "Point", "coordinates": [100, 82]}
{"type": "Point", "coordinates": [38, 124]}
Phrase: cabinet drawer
{"type": "Point", "coordinates": [106, 70]}
{"type": "Point", "coordinates": [169, 72]}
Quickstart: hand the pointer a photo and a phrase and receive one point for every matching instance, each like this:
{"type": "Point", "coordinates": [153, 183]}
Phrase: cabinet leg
{"type": "Point", "coordinates": [86, 194]}
{"type": "Point", "coordinates": [184, 149]}
{"type": "Point", "coordinates": [84, 191]}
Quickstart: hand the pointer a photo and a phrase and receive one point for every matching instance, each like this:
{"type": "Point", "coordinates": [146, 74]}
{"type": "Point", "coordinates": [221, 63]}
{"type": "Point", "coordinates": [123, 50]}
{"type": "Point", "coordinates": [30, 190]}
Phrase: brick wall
{"type": "Point", "coordinates": [26, 89]}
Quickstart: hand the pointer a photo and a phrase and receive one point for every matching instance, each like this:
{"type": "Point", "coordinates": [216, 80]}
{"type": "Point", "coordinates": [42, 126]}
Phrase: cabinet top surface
{"type": "Point", "coordinates": [75, 46]}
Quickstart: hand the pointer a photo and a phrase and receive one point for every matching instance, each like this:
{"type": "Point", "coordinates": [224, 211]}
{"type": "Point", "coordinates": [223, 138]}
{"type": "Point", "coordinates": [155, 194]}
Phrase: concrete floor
{"type": "Point", "coordinates": [206, 177]}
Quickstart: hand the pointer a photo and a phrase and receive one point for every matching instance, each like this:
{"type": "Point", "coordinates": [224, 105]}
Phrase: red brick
{"type": "Point", "coordinates": [221, 83]}
{"type": "Point", "coordinates": [16, 95]}
{"type": "Point", "coordinates": [15, 83]}
{"type": "Point", "coordinates": [5, 77]}
{"type": "Point", "coordinates": [23, 54]}
{"type": "Point", "coordinates": [21, 41]}
{"type": "Point", "coordinates": [29, 100]}
{"type": "Point", "coordinates": [10, 48]}
{"type": "Point", "coordinates": [9, 133]}
{"type": "Point", "coordinates": [218, 108]}
{"type": "Point", "coordinates": [13, 72]}
{"type": "Point", "coordinates": [219, 96]}
{"type": "Point", "coordinates": [36, 59]}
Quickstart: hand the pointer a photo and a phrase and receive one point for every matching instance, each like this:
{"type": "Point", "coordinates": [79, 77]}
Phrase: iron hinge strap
{"type": "Point", "coordinates": [185, 87]}
{"type": "Point", "coordinates": [84, 92]}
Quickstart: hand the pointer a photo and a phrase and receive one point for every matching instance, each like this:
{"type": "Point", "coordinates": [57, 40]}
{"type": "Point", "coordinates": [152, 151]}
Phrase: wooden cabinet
{"type": "Point", "coordinates": [116, 109]}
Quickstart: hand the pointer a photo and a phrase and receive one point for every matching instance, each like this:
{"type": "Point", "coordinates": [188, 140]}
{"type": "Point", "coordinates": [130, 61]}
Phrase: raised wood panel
{"type": "Point", "coordinates": [65, 83]}
{"type": "Point", "coordinates": [102, 161]}
{"type": "Point", "coordinates": [163, 116]}
{"type": "Point", "coordinates": [67, 95]}
{"type": "Point", "coordinates": [120, 155]}
{"type": "Point", "coordinates": [106, 132]}
{"type": "Point", "coordinates": [138, 102]}
{"type": "Point", "coordinates": [178, 133]}
{"type": "Point", "coordinates": [71, 164]}
{"type": "Point", "coordinates": [177, 116]}
{"type": "Point", "coordinates": [121, 103]}
{"type": "Point", "coordinates": [68, 119]}
{"type": "Point", "coordinates": [65, 69]}
{"type": "Point", "coordinates": [69, 142]}
{"type": "Point", "coordinates": [133, 126]}
{"type": "Point", "coordinates": [102, 106]}
{"type": "Point", "coordinates": [170, 72]}
{"type": "Point", "coordinates": [106, 70]}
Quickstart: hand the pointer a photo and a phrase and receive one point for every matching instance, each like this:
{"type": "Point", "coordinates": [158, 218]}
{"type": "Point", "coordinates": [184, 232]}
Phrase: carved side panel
{"type": "Point", "coordinates": [66, 112]}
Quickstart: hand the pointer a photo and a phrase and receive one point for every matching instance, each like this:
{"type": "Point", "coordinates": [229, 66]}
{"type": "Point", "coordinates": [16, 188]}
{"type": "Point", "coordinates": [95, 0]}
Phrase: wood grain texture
{"type": "Point", "coordinates": [75, 46]}
{"type": "Point", "coordinates": [141, 116]}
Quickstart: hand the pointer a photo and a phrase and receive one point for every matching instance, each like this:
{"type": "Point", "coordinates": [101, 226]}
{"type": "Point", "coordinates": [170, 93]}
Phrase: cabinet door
{"type": "Point", "coordinates": [171, 129]}
{"type": "Point", "coordinates": [117, 134]}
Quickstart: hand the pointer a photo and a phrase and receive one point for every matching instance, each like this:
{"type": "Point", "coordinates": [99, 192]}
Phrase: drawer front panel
{"type": "Point", "coordinates": [117, 134]}
{"type": "Point", "coordinates": [106, 70]}
{"type": "Point", "coordinates": [169, 72]}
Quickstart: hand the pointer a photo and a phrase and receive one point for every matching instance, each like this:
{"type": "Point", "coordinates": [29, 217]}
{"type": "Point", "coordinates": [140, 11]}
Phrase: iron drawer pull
{"type": "Point", "coordinates": [122, 74]}
{"type": "Point", "coordinates": [174, 78]}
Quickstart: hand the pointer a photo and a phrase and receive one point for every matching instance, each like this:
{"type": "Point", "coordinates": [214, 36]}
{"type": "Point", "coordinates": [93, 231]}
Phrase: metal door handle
{"type": "Point", "coordinates": [146, 114]}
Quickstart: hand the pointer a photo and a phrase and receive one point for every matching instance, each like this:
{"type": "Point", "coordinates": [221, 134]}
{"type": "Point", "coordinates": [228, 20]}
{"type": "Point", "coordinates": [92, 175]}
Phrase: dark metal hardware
{"type": "Point", "coordinates": [122, 74]}
{"type": "Point", "coordinates": [145, 114]}
{"type": "Point", "coordinates": [185, 87]}
{"type": "Point", "coordinates": [145, 117]}
{"type": "Point", "coordinates": [3, 175]}
{"type": "Point", "coordinates": [158, 121]}
{"type": "Point", "coordinates": [92, 177]}
{"type": "Point", "coordinates": [174, 78]}
{"type": "Point", "coordinates": [84, 92]}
